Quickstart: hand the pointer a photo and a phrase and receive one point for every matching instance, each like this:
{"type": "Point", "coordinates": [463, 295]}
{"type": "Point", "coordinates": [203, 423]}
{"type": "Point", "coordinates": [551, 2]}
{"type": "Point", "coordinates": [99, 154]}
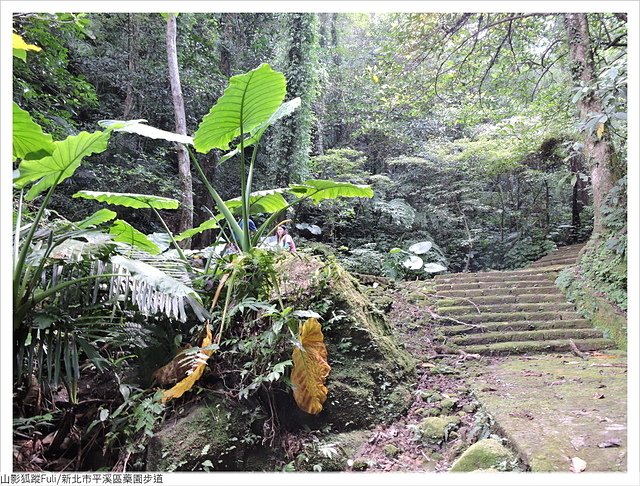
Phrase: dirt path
{"type": "Point", "coordinates": [441, 391]}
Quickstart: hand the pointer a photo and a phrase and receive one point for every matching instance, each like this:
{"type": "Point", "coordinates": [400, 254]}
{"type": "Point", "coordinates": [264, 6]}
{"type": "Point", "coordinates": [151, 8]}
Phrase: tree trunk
{"type": "Point", "coordinates": [597, 149]}
{"type": "Point", "coordinates": [579, 199]}
{"type": "Point", "coordinates": [134, 32]}
{"type": "Point", "coordinates": [184, 165]}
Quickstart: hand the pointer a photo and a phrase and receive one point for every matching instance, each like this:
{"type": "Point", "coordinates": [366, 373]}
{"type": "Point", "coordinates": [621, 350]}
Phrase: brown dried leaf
{"type": "Point", "coordinates": [310, 368]}
{"type": "Point", "coordinates": [195, 371]}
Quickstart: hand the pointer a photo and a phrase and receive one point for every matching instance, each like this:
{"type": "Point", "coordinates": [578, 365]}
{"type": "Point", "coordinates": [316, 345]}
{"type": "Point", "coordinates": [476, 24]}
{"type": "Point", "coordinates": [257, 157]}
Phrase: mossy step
{"type": "Point", "coordinates": [568, 248]}
{"type": "Point", "coordinates": [515, 326]}
{"type": "Point", "coordinates": [502, 299]}
{"type": "Point", "coordinates": [516, 316]}
{"type": "Point", "coordinates": [518, 307]}
{"type": "Point", "coordinates": [553, 263]}
{"type": "Point", "coordinates": [524, 347]}
{"type": "Point", "coordinates": [505, 286]}
{"type": "Point", "coordinates": [497, 277]}
{"type": "Point", "coordinates": [496, 292]}
{"type": "Point", "coordinates": [515, 336]}
{"type": "Point", "coordinates": [492, 273]}
{"type": "Point", "coordinates": [563, 252]}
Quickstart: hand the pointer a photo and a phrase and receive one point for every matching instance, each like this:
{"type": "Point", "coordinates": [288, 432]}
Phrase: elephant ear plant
{"type": "Point", "coordinates": [248, 107]}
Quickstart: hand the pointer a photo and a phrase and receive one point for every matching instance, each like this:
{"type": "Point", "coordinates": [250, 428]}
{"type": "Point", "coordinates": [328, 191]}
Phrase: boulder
{"type": "Point", "coordinates": [436, 429]}
{"type": "Point", "coordinates": [485, 454]}
{"type": "Point", "coordinates": [370, 372]}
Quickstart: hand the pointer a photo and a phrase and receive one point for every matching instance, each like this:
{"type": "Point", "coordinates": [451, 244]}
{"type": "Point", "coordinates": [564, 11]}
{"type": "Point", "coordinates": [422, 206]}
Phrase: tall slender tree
{"type": "Point", "coordinates": [184, 165]}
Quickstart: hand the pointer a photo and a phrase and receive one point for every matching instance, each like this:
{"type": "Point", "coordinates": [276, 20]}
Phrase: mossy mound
{"type": "Point", "coordinates": [211, 430]}
{"type": "Point", "coordinates": [483, 455]}
{"type": "Point", "coordinates": [370, 373]}
{"type": "Point", "coordinates": [437, 429]}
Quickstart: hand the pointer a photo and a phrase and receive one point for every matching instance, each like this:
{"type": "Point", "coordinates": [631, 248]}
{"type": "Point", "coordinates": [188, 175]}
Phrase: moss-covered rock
{"type": "Point", "coordinates": [428, 412]}
{"type": "Point", "coordinates": [448, 405]}
{"type": "Point", "coordinates": [367, 383]}
{"type": "Point", "coordinates": [210, 431]}
{"type": "Point", "coordinates": [485, 454]}
{"type": "Point", "coordinates": [437, 429]}
{"type": "Point", "coordinates": [430, 396]}
{"type": "Point", "coordinates": [360, 464]}
{"type": "Point", "coordinates": [391, 450]}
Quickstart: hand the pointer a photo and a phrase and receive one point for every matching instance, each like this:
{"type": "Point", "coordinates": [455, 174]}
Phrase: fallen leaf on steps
{"type": "Point", "coordinates": [577, 465]}
{"type": "Point", "coordinates": [613, 442]}
{"type": "Point", "coordinates": [598, 396]}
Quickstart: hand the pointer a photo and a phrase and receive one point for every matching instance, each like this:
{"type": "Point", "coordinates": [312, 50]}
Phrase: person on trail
{"type": "Point", "coordinates": [232, 246]}
{"type": "Point", "coordinates": [285, 240]}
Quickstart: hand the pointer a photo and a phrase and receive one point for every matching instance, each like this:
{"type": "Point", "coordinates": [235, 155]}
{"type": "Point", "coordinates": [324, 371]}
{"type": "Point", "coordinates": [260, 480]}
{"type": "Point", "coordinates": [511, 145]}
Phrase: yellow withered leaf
{"type": "Point", "coordinates": [600, 130]}
{"type": "Point", "coordinates": [194, 372]}
{"type": "Point", "coordinates": [310, 368]}
{"type": "Point", "coordinates": [19, 43]}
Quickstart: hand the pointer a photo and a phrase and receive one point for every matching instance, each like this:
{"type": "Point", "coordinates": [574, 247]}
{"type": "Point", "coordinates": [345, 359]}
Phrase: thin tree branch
{"type": "Point", "coordinates": [546, 70]}
{"type": "Point", "coordinates": [491, 63]}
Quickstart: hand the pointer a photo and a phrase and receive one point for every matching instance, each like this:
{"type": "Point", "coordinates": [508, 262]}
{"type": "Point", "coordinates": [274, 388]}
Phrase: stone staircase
{"type": "Point", "coordinates": [514, 312]}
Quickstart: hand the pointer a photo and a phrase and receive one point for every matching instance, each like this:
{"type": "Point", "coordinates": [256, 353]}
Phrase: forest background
{"type": "Point", "coordinates": [459, 240]}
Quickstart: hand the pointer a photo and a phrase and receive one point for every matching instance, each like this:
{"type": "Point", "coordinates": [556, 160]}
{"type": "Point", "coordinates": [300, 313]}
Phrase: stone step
{"type": "Point", "coordinates": [501, 299]}
{"type": "Point", "coordinates": [547, 284]}
{"type": "Point", "coordinates": [524, 347]}
{"type": "Point", "coordinates": [514, 317]}
{"type": "Point", "coordinates": [539, 277]}
{"type": "Point", "coordinates": [514, 336]}
{"type": "Point", "coordinates": [552, 263]}
{"type": "Point", "coordinates": [460, 310]}
{"type": "Point", "coordinates": [496, 292]}
{"type": "Point", "coordinates": [514, 326]}
{"type": "Point", "coordinates": [451, 277]}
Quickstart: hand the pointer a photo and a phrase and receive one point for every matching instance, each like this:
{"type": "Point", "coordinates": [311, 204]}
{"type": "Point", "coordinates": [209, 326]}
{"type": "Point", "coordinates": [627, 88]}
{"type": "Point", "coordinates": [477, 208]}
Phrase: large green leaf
{"type": "Point", "coordinates": [62, 163]}
{"type": "Point", "coordinates": [125, 233]}
{"type": "Point", "coordinates": [129, 200]}
{"type": "Point", "coordinates": [99, 217]}
{"type": "Point", "coordinates": [318, 190]}
{"type": "Point", "coordinates": [28, 136]}
{"type": "Point", "coordinates": [269, 201]}
{"type": "Point", "coordinates": [138, 127]}
{"type": "Point", "coordinates": [283, 110]}
{"type": "Point", "coordinates": [207, 225]}
{"type": "Point", "coordinates": [247, 103]}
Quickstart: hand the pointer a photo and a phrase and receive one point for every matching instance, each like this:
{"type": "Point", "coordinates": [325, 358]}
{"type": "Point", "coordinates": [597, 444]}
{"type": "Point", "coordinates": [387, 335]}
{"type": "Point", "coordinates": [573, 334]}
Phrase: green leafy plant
{"type": "Point", "coordinates": [408, 262]}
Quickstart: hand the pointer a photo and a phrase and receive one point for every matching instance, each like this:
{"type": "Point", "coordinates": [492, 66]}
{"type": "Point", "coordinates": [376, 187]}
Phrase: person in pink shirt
{"type": "Point", "coordinates": [285, 240]}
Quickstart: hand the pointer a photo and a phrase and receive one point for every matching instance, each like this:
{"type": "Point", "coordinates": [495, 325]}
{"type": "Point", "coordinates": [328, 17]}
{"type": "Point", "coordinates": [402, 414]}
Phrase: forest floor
{"type": "Point", "coordinates": [550, 408]}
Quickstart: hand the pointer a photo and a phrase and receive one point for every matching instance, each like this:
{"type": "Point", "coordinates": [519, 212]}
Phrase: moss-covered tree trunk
{"type": "Point", "coordinates": [293, 139]}
{"type": "Point", "coordinates": [184, 165]}
{"type": "Point", "coordinates": [597, 148]}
